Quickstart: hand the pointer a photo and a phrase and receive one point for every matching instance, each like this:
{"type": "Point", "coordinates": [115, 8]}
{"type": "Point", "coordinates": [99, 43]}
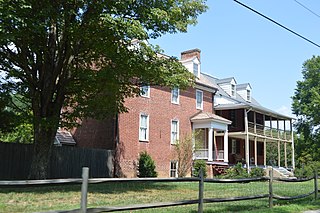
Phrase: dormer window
{"type": "Point", "coordinates": [195, 69]}
{"type": "Point", "coordinates": [248, 95]}
{"type": "Point", "coordinates": [233, 90]}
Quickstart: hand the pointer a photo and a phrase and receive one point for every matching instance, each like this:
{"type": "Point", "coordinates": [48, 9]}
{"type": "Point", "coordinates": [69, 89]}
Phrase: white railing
{"type": "Point", "coordinates": [201, 153]}
{"type": "Point", "coordinates": [268, 131]}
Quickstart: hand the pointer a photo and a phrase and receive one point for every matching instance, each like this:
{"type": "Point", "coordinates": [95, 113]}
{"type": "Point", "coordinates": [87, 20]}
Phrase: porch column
{"type": "Point", "coordinates": [292, 145]}
{"type": "Point", "coordinates": [215, 144]}
{"type": "Point", "coordinates": [210, 146]}
{"type": "Point", "coordinates": [247, 140]}
{"type": "Point", "coordinates": [279, 157]}
{"type": "Point", "coordinates": [255, 123]}
{"type": "Point", "coordinates": [285, 155]}
{"type": "Point", "coordinates": [265, 152]}
{"type": "Point", "coordinates": [255, 151]}
{"type": "Point", "coordinates": [225, 146]}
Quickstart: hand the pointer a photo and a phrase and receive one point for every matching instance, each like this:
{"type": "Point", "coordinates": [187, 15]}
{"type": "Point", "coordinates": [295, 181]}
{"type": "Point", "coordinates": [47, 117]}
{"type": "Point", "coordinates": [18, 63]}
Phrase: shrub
{"type": "Point", "coordinates": [197, 165]}
{"type": "Point", "coordinates": [257, 172]}
{"type": "Point", "coordinates": [146, 167]}
{"type": "Point", "coordinates": [307, 171]}
{"type": "Point", "coordinates": [236, 172]}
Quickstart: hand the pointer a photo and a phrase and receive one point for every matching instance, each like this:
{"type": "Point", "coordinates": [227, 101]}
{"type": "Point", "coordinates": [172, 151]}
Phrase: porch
{"type": "Point", "coordinates": [205, 127]}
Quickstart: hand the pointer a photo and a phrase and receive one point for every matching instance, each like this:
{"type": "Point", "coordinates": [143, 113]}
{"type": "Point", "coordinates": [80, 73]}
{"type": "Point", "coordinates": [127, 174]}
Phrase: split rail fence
{"type": "Point", "coordinates": [200, 201]}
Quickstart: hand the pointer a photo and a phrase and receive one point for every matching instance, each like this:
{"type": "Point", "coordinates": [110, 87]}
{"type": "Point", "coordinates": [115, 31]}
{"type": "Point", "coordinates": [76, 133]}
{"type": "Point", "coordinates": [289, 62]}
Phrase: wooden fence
{"type": "Point", "coordinates": [200, 201]}
{"type": "Point", "coordinates": [65, 162]}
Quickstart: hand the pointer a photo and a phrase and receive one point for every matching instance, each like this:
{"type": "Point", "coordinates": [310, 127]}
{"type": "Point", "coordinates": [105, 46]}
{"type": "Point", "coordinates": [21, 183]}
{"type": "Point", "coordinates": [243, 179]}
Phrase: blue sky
{"type": "Point", "coordinates": [236, 42]}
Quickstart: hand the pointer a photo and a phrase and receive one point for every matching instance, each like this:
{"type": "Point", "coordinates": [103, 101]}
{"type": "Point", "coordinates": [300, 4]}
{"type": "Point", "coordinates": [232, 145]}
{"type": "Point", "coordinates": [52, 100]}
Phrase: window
{"type": "Point", "coordinates": [248, 95]}
{"type": "Point", "coordinates": [233, 90]}
{"type": "Point", "coordinates": [233, 118]}
{"type": "Point", "coordinates": [175, 95]}
{"type": "Point", "coordinates": [195, 69]}
{"type": "Point", "coordinates": [144, 127]}
{"type": "Point", "coordinates": [174, 169]}
{"type": "Point", "coordinates": [174, 131]}
{"type": "Point", "coordinates": [234, 146]}
{"type": "Point", "coordinates": [145, 91]}
{"type": "Point", "coordinates": [199, 97]}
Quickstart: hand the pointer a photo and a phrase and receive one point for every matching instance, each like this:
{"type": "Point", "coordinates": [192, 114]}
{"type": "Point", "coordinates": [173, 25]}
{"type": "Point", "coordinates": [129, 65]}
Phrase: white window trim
{"type": "Point", "coordinates": [201, 107]}
{"type": "Point", "coordinates": [147, 95]}
{"type": "Point", "coordinates": [147, 134]}
{"type": "Point", "coordinates": [234, 146]}
{"type": "Point", "coordinates": [178, 98]}
{"type": "Point", "coordinates": [193, 70]}
{"type": "Point", "coordinates": [248, 95]}
{"type": "Point", "coordinates": [171, 131]}
{"type": "Point", "coordinates": [233, 90]}
{"type": "Point", "coordinates": [176, 170]}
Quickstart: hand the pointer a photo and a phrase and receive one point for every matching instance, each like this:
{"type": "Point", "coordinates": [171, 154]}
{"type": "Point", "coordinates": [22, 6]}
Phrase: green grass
{"type": "Point", "coordinates": [66, 197]}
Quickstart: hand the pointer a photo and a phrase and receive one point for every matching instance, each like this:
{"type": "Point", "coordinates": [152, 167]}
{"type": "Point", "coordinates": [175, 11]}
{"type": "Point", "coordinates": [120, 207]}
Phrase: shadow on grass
{"type": "Point", "coordinates": [103, 188]}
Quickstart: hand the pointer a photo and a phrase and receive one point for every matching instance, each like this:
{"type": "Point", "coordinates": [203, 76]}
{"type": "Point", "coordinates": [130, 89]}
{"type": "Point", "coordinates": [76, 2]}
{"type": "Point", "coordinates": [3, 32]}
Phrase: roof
{"type": "Point", "coordinates": [243, 86]}
{"type": "Point", "coordinates": [238, 101]}
{"type": "Point", "coordinates": [209, 116]}
{"type": "Point", "coordinates": [204, 82]}
{"type": "Point", "coordinates": [224, 80]}
{"type": "Point", "coordinates": [64, 137]}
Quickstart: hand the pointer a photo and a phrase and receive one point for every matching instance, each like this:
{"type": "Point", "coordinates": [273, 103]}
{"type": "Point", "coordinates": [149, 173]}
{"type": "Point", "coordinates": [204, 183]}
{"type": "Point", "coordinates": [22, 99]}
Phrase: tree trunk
{"type": "Point", "coordinates": [43, 142]}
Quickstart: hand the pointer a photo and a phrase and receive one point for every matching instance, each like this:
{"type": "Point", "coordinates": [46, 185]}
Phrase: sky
{"type": "Point", "coordinates": [235, 42]}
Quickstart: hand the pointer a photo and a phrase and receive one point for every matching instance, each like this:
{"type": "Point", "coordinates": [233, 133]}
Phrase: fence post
{"type": "Point", "coordinates": [316, 184]}
{"type": "Point", "coordinates": [201, 186]}
{"type": "Point", "coordinates": [270, 188]}
{"type": "Point", "coordinates": [84, 189]}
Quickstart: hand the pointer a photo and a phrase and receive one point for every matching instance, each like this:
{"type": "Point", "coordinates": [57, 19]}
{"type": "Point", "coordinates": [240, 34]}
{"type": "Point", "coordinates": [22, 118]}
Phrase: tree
{"type": "Point", "coordinates": [306, 105]}
{"type": "Point", "coordinates": [7, 117]}
{"type": "Point", "coordinates": [79, 56]}
{"type": "Point", "coordinates": [183, 152]}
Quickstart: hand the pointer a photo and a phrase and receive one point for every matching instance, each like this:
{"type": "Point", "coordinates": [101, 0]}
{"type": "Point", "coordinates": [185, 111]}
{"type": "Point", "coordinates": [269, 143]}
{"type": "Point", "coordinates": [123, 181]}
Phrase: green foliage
{"type": "Point", "coordinates": [7, 117]}
{"type": "Point", "coordinates": [83, 56]}
{"type": "Point", "coordinates": [306, 104]}
{"type": "Point", "coordinates": [199, 165]}
{"type": "Point", "coordinates": [21, 134]}
{"type": "Point", "coordinates": [146, 167]}
{"type": "Point", "coordinates": [257, 172]}
{"type": "Point", "coordinates": [236, 171]}
{"type": "Point", "coordinates": [307, 170]}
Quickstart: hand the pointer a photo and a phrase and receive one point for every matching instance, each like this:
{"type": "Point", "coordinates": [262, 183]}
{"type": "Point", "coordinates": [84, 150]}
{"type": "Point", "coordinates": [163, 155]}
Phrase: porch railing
{"type": "Point", "coordinates": [268, 131]}
{"type": "Point", "coordinates": [204, 154]}
{"type": "Point", "coordinates": [201, 153]}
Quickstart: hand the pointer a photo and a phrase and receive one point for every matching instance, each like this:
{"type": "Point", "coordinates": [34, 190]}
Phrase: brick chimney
{"type": "Point", "coordinates": [190, 54]}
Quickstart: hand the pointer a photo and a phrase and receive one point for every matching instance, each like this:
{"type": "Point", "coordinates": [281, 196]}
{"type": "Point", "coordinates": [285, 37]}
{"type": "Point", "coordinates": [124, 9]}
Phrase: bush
{"type": "Point", "coordinates": [307, 171]}
{"type": "Point", "coordinates": [236, 172]}
{"type": "Point", "coordinates": [257, 172]}
{"type": "Point", "coordinates": [197, 165]}
{"type": "Point", "coordinates": [146, 167]}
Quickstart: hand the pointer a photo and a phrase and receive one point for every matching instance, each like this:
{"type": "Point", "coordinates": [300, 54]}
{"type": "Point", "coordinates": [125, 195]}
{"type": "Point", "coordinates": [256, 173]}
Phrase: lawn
{"type": "Point", "coordinates": [65, 197]}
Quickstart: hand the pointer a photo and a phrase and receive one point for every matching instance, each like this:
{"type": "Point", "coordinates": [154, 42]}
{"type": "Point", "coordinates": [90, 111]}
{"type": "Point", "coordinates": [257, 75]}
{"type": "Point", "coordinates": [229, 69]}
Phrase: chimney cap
{"type": "Point", "coordinates": [191, 51]}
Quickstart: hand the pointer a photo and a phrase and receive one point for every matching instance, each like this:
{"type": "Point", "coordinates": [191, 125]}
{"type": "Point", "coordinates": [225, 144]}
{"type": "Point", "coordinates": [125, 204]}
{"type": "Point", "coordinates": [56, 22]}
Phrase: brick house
{"type": "Point", "coordinates": [229, 126]}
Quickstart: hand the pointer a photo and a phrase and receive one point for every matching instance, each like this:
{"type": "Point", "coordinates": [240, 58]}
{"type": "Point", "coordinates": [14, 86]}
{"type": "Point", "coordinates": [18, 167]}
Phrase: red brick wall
{"type": "Point", "coordinates": [161, 111]}
{"type": "Point", "coordinates": [96, 134]}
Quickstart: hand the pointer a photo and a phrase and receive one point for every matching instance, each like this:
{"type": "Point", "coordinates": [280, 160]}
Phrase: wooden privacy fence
{"type": "Point", "coordinates": [65, 161]}
{"type": "Point", "coordinates": [200, 201]}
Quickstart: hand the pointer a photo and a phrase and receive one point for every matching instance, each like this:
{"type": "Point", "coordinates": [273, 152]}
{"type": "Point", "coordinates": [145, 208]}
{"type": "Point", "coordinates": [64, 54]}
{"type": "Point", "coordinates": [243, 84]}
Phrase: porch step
{"type": "Point", "coordinates": [219, 169]}
{"type": "Point", "coordinates": [283, 172]}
